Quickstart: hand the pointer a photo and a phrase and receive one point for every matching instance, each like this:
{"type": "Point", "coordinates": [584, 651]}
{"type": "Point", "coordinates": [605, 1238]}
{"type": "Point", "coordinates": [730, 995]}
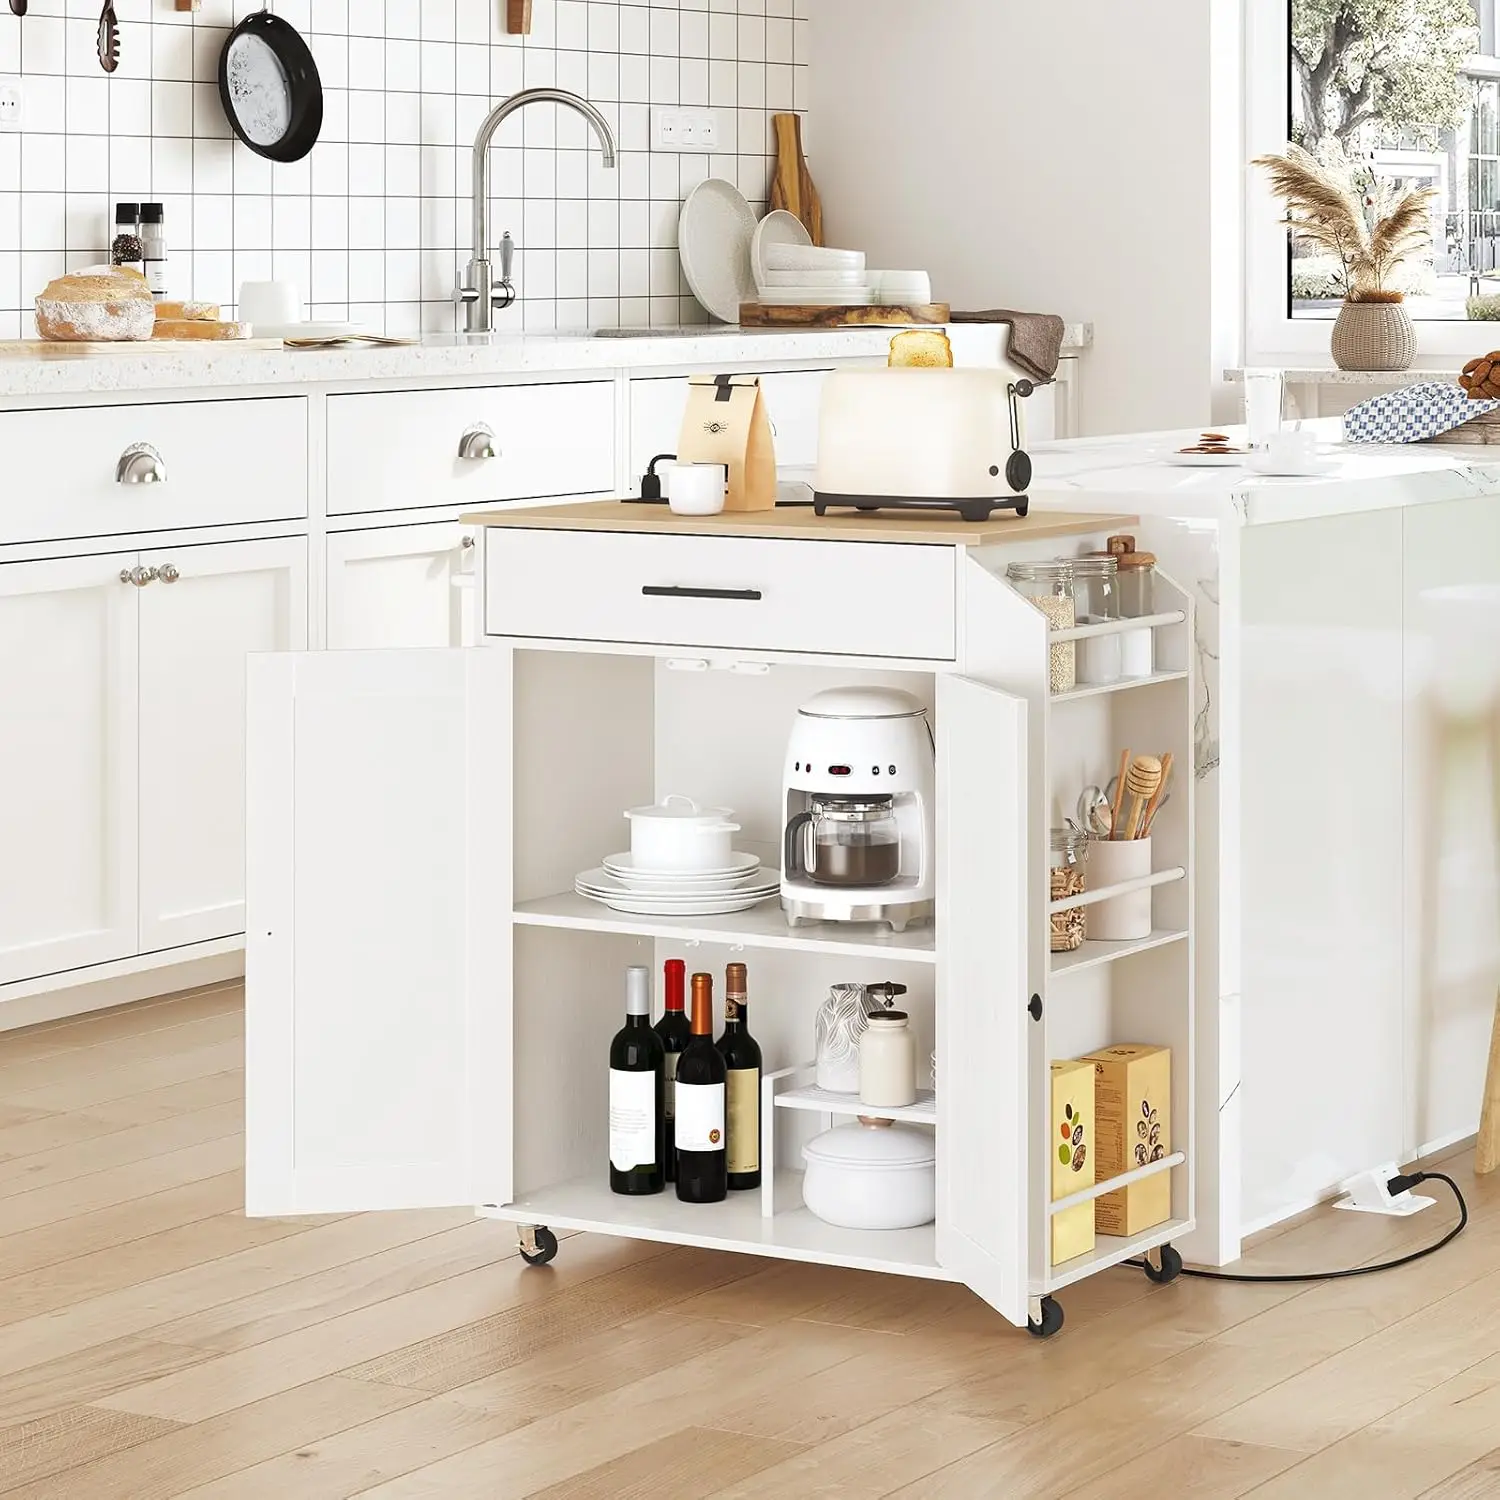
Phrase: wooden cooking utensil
{"type": "Point", "coordinates": [109, 38]}
{"type": "Point", "coordinates": [1155, 802]}
{"type": "Point", "coordinates": [1115, 826]}
{"type": "Point", "coordinates": [791, 184]}
{"type": "Point", "coordinates": [1143, 781]}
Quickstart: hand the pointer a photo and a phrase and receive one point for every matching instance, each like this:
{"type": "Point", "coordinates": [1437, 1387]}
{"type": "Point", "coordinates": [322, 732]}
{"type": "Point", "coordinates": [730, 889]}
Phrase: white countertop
{"type": "Point", "coordinates": [59, 370]}
{"type": "Point", "coordinates": [1329, 375]}
{"type": "Point", "coordinates": [1132, 473]}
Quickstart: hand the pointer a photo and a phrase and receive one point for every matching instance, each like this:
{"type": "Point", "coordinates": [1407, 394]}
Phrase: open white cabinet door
{"type": "Point", "coordinates": [378, 952]}
{"type": "Point", "coordinates": [983, 1176]}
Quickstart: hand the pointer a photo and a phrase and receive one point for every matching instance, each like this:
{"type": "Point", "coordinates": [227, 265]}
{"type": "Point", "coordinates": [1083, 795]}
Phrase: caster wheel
{"type": "Point", "coordinates": [1052, 1320]}
{"type": "Point", "coordinates": [1169, 1269]}
{"type": "Point", "coordinates": [546, 1246]}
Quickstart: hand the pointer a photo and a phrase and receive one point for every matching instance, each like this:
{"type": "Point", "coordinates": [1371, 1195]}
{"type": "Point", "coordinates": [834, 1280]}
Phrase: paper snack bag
{"type": "Point", "coordinates": [726, 423]}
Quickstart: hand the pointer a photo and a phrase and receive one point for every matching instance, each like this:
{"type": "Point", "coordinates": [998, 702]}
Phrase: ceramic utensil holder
{"type": "Point", "coordinates": [1122, 918]}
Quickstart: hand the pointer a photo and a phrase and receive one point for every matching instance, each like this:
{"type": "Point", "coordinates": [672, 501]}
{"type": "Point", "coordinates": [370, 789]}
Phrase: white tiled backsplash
{"type": "Point", "coordinates": [375, 225]}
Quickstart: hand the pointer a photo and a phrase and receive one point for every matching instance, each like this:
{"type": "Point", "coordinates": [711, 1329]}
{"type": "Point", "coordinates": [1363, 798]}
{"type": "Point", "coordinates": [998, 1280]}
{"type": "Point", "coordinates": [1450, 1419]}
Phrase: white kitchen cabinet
{"type": "Point", "coordinates": [401, 586]}
{"type": "Point", "coordinates": [202, 612]}
{"type": "Point", "coordinates": [68, 749]}
{"type": "Point", "coordinates": [429, 1004]}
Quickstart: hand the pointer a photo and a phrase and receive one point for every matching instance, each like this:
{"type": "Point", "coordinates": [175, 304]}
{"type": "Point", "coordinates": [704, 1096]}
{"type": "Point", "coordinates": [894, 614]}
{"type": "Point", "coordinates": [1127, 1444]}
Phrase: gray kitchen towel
{"type": "Point", "coordinates": [1035, 338]}
{"type": "Point", "coordinates": [1414, 414]}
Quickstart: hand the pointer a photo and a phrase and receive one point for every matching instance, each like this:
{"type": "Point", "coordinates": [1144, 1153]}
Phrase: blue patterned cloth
{"type": "Point", "coordinates": [1412, 414]}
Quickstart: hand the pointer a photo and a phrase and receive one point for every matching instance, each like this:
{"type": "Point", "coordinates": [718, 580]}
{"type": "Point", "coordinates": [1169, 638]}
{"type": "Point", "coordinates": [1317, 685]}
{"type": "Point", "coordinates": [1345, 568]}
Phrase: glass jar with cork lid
{"type": "Point", "coordinates": [1049, 586]}
{"type": "Point", "coordinates": [1066, 879]}
{"type": "Point", "coordinates": [1136, 572]}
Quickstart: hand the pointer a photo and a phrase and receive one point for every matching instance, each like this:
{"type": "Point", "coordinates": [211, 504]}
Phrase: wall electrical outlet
{"type": "Point", "coordinates": [10, 102]}
{"type": "Point", "coordinates": [676, 129]}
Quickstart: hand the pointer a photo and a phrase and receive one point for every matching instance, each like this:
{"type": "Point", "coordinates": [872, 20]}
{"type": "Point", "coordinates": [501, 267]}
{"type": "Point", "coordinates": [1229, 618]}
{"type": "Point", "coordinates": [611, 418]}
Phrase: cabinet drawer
{"type": "Point", "coordinates": [222, 461]}
{"type": "Point", "coordinates": [841, 598]}
{"type": "Point", "coordinates": [398, 450]}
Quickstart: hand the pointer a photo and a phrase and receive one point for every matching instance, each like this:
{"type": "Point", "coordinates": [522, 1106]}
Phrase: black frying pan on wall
{"type": "Point", "coordinates": [270, 88]}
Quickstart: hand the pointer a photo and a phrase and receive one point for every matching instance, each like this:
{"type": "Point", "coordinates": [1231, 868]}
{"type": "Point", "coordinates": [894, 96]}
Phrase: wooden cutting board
{"type": "Point", "coordinates": [756, 315]}
{"type": "Point", "coordinates": [59, 348]}
{"type": "Point", "coordinates": [792, 185]}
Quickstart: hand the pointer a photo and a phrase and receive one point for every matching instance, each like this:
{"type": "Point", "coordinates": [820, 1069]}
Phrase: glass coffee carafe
{"type": "Point", "coordinates": [845, 841]}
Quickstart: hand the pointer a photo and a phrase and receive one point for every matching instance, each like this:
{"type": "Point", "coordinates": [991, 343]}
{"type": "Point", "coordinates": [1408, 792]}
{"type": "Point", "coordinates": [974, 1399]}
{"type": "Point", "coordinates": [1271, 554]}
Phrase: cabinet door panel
{"type": "Point", "coordinates": [378, 954]}
{"type": "Point", "coordinates": [983, 1177]}
{"type": "Point", "coordinates": [401, 586]}
{"type": "Point", "coordinates": [224, 602]}
{"type": "Point", "coordinates": [67, 764]}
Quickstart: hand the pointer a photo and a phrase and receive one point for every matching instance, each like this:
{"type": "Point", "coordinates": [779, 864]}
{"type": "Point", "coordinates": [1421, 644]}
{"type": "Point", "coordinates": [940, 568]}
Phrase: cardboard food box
{"type": "Point", "coordinates": [1071, 1147]}
{"type": "Point", "coordinates": [1133, 1126]}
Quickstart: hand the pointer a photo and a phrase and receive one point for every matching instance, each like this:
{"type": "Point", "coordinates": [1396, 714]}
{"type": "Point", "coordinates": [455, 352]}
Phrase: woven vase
{"type": "Point", "coordinates": [1374, 336]}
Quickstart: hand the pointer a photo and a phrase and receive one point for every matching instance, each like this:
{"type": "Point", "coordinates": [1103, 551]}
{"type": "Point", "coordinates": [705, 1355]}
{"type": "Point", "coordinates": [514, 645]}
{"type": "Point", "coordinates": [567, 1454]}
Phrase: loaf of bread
{"type": "Point", "coordinates": [197, 328]}
{"type": "Point", "coordinates": [189, 312]}
{"type": "Point", "coordinates": [108, 306]}
{"type": "Point", "coordinates": [921, 349]}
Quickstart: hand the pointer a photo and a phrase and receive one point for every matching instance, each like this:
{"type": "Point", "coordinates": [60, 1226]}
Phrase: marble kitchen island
{"type": "Point", "coordinates": [1348, 948]}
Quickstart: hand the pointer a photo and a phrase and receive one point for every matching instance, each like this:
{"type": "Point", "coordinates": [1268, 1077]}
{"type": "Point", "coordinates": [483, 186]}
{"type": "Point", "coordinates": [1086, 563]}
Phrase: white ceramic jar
{"type": "Point", "coordinates": [888, 1061]}
{"type": "Point", "coordinates": [871, 1175]}
{"type": "Point", "coordinates": [677, 834]}
{"type": "Point", "coordinates": [840, 1023]}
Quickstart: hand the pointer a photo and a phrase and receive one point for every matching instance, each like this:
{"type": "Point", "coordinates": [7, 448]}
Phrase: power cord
{"type": "Point", "coordinates": [1396, 1185]}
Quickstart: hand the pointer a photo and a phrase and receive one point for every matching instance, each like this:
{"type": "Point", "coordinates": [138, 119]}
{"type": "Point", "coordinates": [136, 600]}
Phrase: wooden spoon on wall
{"type": "Point", "coordinates": [791, 184]}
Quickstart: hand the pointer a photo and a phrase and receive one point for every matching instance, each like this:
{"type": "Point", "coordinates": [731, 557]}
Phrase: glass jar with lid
{"type": "Point", "coordinates": [1065, 879]}
{"type": "Point", "coordinates": [1097, 599]}
{"type": "Point", "coordinates": [1137, 577]}
{"type": "Point", "coordinates": [1049, 586]}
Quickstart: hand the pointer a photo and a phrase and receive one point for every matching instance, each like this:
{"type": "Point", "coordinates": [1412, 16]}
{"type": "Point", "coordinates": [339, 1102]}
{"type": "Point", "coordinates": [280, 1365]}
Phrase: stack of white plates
{"type": "Point", "coordinates": [623, 886]}
{"type": "Point", "coordinates": [790, 271]}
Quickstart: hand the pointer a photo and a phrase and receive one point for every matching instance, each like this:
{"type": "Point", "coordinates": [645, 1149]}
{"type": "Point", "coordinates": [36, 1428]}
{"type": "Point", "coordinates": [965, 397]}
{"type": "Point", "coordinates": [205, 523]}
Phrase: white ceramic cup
{"type": "Point", "coordinates": [1111, 862]}
{"type": "Point", "coordinates": [694, 489]}
{"type": "Point", "coordinates": [1293, 448]}
{"type": "Point", "coordinates": [271, 302]}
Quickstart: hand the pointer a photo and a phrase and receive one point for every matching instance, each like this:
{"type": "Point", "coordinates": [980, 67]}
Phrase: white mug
{"type": "Point", "coordinates": [1293, 447]}
{"type": "Point", "coordinates": [694, 489]}
{"type": "Point", "coordinates": [270, 302]}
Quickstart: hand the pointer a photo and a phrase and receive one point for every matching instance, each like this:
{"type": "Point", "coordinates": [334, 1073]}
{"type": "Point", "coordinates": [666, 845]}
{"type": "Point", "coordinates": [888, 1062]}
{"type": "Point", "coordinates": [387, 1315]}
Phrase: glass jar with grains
{"type": "Point", "coordinates": [1049, 586]}
{"type": "Point", "coordinates": [1065, 879]}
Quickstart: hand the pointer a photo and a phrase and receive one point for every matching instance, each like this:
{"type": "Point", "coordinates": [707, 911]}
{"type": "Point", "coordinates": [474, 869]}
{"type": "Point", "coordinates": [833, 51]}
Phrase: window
{"type": "Point", "coordinates": [1408, 92]}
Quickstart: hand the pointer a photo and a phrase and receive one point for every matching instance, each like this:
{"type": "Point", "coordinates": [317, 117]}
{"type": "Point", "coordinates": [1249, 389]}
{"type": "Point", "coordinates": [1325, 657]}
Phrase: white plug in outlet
{"type": "Point", "coordinates": [677, 129]}
{"type": "Point", "coordinates": [10, 102]}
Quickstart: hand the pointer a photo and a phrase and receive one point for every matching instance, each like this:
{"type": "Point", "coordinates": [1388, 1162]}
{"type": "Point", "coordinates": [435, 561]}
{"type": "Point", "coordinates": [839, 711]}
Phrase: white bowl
{"type": "Point", "coordinates": [894, 288]}
{"type": "Point", "coordinates": [813, 278]}
{"type": "Point", "coordinates": [816, 296]}
{"type": "Point", "coordinates": [777, 228]}
{"type": "Point", "coordinates": [812, 257]}
{"type": "Point", "coordinates": [677, 834]}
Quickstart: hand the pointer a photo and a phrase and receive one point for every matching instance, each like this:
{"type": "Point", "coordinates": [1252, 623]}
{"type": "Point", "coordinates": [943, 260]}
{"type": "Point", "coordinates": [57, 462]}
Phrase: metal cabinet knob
{"type": "Point", "coordinates": [140, 463]}
{"type": "Point", "coordinates": [466, 542]}
{"type": "Point", "coordinates": [168, 573]}
{"type": "Point", "coordinates": [138, 575]}
{"type": "Point", "coordinates": [478, 443]}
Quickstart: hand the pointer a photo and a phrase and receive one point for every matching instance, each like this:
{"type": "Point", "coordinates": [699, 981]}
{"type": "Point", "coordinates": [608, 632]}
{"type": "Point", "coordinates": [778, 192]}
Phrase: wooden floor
{"type": "Point", "coordinates": [154, 1342]}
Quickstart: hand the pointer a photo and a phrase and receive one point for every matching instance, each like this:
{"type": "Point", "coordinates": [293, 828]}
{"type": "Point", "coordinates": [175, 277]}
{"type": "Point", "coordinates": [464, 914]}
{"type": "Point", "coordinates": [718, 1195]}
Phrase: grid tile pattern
{"type": "Point", "coordinates": [374, 225]}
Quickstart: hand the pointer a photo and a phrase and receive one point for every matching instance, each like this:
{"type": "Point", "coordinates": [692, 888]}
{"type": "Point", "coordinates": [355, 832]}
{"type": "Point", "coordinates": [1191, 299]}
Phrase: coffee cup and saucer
{"type": "Point", "coordinates": [1293, 453]}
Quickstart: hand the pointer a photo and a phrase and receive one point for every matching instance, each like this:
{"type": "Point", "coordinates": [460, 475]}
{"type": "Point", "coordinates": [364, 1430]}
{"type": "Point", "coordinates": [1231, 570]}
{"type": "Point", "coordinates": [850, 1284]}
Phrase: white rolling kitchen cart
{"type": "Point", "coordinates": [429, 1006]}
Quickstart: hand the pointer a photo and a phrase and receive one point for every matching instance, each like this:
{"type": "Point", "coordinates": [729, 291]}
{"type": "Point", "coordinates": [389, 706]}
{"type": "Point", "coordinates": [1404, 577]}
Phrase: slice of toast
{"type": "Point", "coordinates": [921, 349]}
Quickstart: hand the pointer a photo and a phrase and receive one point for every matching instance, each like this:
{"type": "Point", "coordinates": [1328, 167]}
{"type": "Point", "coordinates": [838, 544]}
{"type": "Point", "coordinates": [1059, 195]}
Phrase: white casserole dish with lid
{"type": "Point", "coordinates": [874, 1174]}
{"type": "Point", "coordinates": [677, 834]}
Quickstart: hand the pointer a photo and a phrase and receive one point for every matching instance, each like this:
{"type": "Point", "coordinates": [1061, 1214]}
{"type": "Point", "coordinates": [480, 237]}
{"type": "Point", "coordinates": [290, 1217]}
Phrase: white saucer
{"type": "Point", "coordinates": [624, 867]}
{"type": "Point", "coordinates": [1309, 468]}
{"type": "Point", "coordinates": [600, 884]}
{"type": "Point", "coordinates": [1209, 460]}
{"type": "Point", "coordinates": [302, 330]}
{"type": "Point", "coordinates": [707, 906]}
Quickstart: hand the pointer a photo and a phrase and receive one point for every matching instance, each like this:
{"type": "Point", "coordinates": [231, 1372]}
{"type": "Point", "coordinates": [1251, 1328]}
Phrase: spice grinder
{"type": "Point", "coordinates": [858, 802]}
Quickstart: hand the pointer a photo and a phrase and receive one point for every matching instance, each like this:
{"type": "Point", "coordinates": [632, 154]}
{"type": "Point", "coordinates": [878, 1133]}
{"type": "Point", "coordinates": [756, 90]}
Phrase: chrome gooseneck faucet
{"type": "Point", "coordinates": [481, 293]}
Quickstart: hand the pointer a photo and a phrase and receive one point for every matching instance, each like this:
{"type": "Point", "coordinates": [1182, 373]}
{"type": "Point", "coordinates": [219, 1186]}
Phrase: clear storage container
{"type": "Point", "coordinates": [1066, 879]}
{"type": "Point", "coordinates": [1049, 586]}
{"type": "Point", "coordinates": [1097, 602]}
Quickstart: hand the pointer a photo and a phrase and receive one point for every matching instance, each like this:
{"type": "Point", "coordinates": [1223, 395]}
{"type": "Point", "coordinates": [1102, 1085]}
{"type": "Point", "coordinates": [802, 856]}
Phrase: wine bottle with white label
{"type": "Point", "coordinates": [674, 1034]}
{"type": "Point", "coordinates": [700, 1105]}
{"type": "Point", "coordinates": [637, 1087]}
{"type": "Point", "coordinates": [741, 1054]}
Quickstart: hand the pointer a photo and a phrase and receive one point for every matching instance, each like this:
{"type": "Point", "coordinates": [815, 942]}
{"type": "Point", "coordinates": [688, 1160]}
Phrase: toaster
{"type": "Point", "coordinates": [923, 439]}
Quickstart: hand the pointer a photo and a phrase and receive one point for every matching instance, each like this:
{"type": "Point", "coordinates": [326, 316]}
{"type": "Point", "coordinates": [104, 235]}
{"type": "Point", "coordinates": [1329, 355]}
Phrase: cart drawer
{"type": "Point", "coordinates": [211, 463]}
{"type": "Point", "coordinates": [393, 450]}
{"type": "Point", "coordinates": [836, 598]}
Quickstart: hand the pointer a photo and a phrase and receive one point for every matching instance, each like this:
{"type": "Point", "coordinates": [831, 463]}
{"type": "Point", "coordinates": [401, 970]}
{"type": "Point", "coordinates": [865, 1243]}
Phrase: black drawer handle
{"type": "Point", "coordinates": [672, 591]}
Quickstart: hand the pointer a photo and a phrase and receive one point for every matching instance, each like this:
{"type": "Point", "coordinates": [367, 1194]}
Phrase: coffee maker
{"type": "Point", "coordinates": [858, 806]}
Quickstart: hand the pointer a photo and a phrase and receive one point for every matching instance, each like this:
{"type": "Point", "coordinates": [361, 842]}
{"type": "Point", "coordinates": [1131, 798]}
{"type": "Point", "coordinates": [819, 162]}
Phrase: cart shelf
{"type": "Point", "coordinates": [825, 1101]}
{"type": "Point", "coordinates": [1110, 1250]}
{"type": "Point", "coordinates": [1123, 684]}
{"type": "Point", "coordinates": [1099, 951]}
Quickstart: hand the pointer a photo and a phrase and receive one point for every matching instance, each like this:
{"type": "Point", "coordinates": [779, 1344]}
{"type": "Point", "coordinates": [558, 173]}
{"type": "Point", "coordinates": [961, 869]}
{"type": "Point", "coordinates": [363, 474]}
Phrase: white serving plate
{"type": "Point", "coordinates": [645, 906]}
{"type": "Point", "coordinates": [777, 228]}
{"type": "Point", "coordinates": [813, 278]}
{"type": "Point", "coordinates": [1208, 460]}
{"type": "Point", "coordinates": [815, 296]}
{"type": "Point", "coordinates": [624, 867]}
{"type": "Point", "coordinates": [302, 330]}
{"type": "Point", "coordinates": [812, 257]}
{"type": "Point", "coordinates": [600, 885]}
{"type": "Point", "coordinates": [713, 241]}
